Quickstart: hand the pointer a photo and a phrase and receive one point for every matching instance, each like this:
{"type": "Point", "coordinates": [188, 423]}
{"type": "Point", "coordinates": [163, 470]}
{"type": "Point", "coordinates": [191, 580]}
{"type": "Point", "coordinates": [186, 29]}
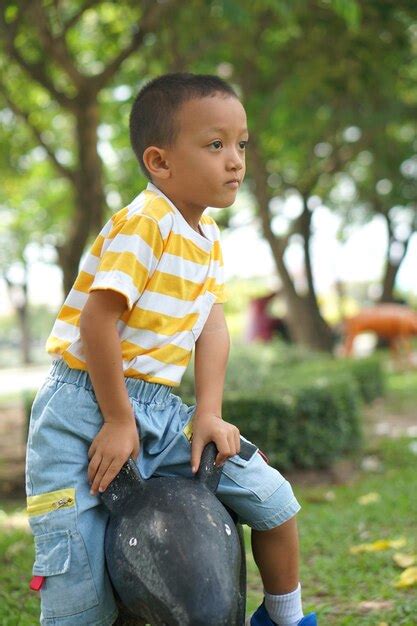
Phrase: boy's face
{"type": "Point", "coordinates": [208, 153]}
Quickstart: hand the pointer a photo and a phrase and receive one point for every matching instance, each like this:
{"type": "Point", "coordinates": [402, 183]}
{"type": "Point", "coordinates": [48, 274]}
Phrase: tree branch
{"type": "Point", "coordinates": [55, 47]}
{"type": "Point", "coordinates": [36, 70]}
{"type": "Point", "coordinates": [64, 171]}
{"type": "Point", "coordinates": [149, 21]}
{"type": "Point", "coordinates": [76, 17]}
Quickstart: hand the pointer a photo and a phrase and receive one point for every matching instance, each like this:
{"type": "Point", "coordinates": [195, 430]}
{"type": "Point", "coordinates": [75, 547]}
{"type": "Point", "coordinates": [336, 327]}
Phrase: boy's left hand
{"type": "Point", "coordinates": [210, 427]}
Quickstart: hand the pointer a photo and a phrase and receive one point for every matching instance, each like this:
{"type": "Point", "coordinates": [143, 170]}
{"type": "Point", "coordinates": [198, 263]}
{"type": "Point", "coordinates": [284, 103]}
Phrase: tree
{"type": "Point", "coordinates": [306, 72]}
{"type": "Point", "coordinates": [300, 103]}
{"type": "Point", "coordinates": [384, 175]}
{"type": "Point", "coordinates": [61, 49]}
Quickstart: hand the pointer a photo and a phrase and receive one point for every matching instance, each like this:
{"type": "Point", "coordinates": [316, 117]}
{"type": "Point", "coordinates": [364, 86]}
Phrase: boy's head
{"type": "Point", "coordinates": [189, 134]}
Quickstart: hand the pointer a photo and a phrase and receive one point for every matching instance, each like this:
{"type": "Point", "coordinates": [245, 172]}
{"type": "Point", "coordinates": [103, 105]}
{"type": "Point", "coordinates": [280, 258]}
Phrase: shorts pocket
{"type": "Point", "coordinates": [53, 553]}
{"type": "Point", "coordinates": [249, 470]}
{"type": "Point", "coordinates": [69, 587]}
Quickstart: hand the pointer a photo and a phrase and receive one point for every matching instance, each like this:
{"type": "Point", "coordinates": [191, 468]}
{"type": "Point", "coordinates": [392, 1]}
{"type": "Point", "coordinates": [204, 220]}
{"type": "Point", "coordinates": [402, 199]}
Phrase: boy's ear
{"type": "Point", "coordinates": [155, 161]}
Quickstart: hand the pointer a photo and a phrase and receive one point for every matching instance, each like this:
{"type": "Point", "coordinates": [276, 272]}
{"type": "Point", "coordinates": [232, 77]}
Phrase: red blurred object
{"type": "Point", "coordinates": [261, 325]}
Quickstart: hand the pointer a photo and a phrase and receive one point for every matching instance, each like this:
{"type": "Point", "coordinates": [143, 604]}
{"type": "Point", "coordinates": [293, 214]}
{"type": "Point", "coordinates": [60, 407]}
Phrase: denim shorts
{"type": "Point", "coordinates": [68, 523]}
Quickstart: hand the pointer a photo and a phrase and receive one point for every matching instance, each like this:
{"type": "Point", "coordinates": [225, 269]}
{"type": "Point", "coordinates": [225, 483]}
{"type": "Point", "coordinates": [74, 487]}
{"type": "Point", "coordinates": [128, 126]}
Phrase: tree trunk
{"type": "Point", "coordinates": [391, 267]}
{"type": "Point", "coordinates": [322, 334]}
{"type": "Point", "coordinates": [391, 271]}
{"type": "Point", "coordinates": [18, 294]}
{"type": "Point", "coordinates": [25, 341]}
{"type": "Point", "coordinates": [88, 191]}
{"type": "Point", "coordinates": [305, 323]}
{"type": "Point", "coordinates": [388, 283]}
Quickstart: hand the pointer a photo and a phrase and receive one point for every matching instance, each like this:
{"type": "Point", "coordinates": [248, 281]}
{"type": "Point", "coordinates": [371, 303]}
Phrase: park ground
{"type": "Point", "coordinates": [341, 510]}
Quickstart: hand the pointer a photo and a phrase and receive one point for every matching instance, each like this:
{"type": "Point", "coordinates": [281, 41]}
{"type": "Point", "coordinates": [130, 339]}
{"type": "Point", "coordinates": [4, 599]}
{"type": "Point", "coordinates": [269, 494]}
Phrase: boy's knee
{"type": "Point", "coordinates": [281, 528]}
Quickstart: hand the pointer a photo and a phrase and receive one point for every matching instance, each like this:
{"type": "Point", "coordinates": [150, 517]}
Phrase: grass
{"type": "Point", "coordinates": [334, 581]}
{"type": "Point", "coordinates": [18, 605]}
{"type": "Point", "coordinates": [401, 392]}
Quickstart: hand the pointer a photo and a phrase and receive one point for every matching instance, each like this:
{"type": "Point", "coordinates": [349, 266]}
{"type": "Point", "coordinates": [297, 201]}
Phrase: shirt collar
{"type": "Point", "coordinates": [204, 242]}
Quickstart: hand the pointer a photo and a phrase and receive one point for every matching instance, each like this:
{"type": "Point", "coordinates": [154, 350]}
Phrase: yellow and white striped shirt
{"type": "Point", "coordinates": [170, 275]}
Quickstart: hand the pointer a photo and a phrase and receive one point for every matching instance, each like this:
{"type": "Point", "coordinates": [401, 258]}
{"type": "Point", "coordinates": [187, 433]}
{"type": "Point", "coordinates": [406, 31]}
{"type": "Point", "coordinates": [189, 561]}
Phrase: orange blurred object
{"type": "Point", "coordinates": [397, 323]}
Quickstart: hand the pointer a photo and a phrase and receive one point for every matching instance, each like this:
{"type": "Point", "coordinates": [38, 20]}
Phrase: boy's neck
{"type": "Point", "coordinates": [190, 216]}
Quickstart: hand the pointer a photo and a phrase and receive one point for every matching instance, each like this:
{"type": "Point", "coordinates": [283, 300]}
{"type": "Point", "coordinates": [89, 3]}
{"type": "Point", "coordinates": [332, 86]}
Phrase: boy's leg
{"type": "Point", "coordinates": [258, 493]}
{"type": "Point", "coordinates": [262, 498]}
{"type": "Point", "coordinates": [67, 522]}
{"type": "Point", "coordinates": [276, 553]}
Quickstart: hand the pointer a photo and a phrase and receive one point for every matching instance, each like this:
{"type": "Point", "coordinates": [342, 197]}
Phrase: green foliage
{"type": "Point", "coordinates": [349, 10]}
{"type": "Point", "coordinates": [270, 424]}
{"type": "Point", "coordinates": [302, 409]}
{"type": "Point", "coordinates": [311, 426]}
{"type": "Point", "coordinates": [370, 377]}
{"type": "Point", "coordinates": [327, 423]}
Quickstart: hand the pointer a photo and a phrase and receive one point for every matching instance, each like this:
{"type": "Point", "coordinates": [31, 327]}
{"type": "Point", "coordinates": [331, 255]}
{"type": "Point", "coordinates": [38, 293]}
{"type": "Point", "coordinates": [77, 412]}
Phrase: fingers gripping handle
{"type": "Point", "coordinates": [208, 472]}
{"type": "Point", "coordinates": [129, 479]}
{"type": "Point", "coordinates": [121, 487]}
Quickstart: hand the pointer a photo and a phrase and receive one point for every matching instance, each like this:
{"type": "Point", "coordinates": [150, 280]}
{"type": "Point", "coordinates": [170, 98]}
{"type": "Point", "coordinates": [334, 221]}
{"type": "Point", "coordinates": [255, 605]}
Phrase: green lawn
{"type": "Point", "coordinates": [334, 581]}
{"type": "Point", "coordinates": [401, 392]}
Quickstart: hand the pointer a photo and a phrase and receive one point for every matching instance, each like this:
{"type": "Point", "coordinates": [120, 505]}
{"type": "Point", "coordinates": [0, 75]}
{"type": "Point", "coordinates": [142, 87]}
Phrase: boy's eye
{"type": "Point", "coordinates": [218, 144]}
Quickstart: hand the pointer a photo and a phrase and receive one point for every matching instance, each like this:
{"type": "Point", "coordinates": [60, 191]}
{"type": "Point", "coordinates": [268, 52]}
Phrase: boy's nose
{"type": "Point", "coordinates": [235, 162]}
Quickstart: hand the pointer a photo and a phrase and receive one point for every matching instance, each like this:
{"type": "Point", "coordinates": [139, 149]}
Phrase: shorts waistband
{"type": "Point", "coordinates": [142, 390]}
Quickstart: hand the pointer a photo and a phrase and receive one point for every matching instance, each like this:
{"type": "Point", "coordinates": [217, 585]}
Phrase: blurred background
{"type": "Point", "coordinates": [322, 231]}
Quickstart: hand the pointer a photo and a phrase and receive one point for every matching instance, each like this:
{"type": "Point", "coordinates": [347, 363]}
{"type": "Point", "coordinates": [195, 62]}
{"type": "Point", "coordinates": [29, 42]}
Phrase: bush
{"type": "Point", "coordinates": [370, 376]}
{"type": "Point", "coordinates": [302, 409]}
{"type": "Point", "coordinates": [268, 424]}
{"type": "Point", "coordinates": [327, 423]}
{"type": "Point", "coordinates": [310, 427]}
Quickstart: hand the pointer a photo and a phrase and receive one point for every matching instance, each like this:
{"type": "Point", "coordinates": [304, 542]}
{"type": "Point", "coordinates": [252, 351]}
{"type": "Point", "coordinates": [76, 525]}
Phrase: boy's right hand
{"type": "Point", "coordinates": [109, 451]}
{"type": "Point", "coordinates": [211, 427]}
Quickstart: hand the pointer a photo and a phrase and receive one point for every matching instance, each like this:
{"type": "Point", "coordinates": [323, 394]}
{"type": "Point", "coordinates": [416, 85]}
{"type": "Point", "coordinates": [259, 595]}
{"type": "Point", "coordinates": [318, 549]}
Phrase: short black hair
{"type": "Point", "coordinates": [152, 118]}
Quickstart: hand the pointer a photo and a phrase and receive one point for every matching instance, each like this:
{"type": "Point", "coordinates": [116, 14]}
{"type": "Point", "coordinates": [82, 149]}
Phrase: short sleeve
{"type": "Point", "coordinates": [221, 296]}
{"type": "Point", "coordinates": [220, 290]}
{"type": "Point", "coordinates": [129, 257]}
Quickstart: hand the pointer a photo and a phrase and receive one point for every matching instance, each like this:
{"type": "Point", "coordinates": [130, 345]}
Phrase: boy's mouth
{"type": "Point", "coordinates": [234, 183]}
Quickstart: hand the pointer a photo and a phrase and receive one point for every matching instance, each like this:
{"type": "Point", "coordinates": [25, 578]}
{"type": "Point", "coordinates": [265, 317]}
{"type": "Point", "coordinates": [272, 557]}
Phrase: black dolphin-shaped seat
{"type": "Point", "coordinates": [175, 554]}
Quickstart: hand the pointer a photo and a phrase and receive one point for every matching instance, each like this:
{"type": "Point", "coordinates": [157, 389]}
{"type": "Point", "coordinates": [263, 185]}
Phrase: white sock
{"type": "Point", "coordinates": [285, 610]}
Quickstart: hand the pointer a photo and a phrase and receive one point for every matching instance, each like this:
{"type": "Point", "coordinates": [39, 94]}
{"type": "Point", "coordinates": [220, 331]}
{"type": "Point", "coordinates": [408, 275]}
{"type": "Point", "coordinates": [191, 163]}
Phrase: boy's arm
{"type": "Point", "coordinates": [210, 362]}
{"type": "Point", "coordinates": [118, 438]}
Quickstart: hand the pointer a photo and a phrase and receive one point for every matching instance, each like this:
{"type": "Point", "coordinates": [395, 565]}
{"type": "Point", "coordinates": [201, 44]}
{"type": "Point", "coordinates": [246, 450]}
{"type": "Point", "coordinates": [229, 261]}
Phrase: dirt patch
{"type": "Point", "coordinates": [379, 422]}
{"type": "Point", "coordinates": [12, 451]}
{"type": "Point", "coordinates": [342, 472]}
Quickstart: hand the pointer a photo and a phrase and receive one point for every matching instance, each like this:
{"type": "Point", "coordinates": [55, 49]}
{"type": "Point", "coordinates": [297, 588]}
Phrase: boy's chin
{"type": "Point", "coordinates": [223, 204]}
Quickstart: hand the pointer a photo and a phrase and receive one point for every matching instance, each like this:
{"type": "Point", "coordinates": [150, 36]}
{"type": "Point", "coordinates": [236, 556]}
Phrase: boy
{"type": "Point", "coordinates": [151, 289]}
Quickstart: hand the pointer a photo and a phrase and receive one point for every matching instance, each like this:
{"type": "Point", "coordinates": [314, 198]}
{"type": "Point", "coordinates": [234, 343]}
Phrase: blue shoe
{"type": "Point", "coordinates": [308, 620]}
{"type": "Point", "coordinates": [261, 618]}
